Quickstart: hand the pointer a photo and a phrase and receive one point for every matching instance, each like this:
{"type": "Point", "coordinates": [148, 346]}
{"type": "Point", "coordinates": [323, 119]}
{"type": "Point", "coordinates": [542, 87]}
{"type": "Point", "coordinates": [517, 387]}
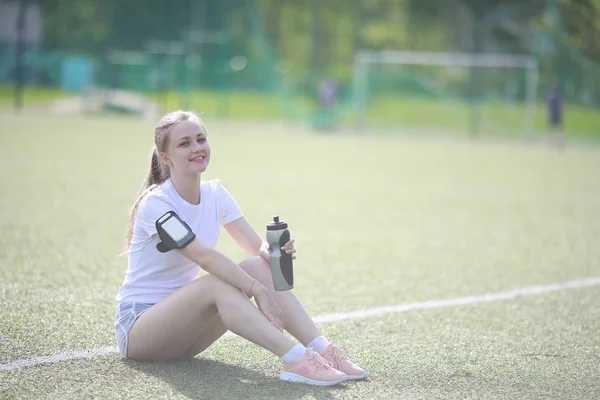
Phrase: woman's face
{"type": "Point", "coordinates": [188, 151]}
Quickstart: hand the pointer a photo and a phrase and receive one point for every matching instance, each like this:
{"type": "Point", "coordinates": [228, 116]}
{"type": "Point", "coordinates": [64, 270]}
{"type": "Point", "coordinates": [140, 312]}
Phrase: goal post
{"type": "Point", "coordinates": [366, 59]}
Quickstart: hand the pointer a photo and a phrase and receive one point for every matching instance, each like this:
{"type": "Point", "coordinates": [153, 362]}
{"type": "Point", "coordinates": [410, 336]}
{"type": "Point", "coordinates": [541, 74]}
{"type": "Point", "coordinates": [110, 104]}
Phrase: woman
{"type": "Point", "coordinates": [165, 311]}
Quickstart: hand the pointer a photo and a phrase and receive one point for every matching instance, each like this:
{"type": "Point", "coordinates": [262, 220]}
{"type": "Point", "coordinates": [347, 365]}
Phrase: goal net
{"type": "Point", "coordinates": [474, 93]}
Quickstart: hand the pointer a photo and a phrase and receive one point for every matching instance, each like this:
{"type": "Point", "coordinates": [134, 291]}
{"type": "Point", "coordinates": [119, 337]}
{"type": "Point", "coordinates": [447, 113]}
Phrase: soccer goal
{"type": "Point", "coordinates": [474, 92]}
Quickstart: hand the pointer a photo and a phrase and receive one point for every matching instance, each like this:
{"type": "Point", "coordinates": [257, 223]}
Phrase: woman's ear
{"type": "Point", "coordinates": [164, 159]}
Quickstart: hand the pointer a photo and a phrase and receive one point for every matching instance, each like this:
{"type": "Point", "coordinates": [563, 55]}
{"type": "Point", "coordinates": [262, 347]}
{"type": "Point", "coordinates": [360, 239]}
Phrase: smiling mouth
{"type": "Point", "coordinates": [197, 159]}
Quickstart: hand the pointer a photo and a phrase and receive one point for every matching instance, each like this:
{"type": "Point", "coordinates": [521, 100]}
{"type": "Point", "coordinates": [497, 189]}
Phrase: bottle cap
{"type": "Point", "coordinates": [276, 224]}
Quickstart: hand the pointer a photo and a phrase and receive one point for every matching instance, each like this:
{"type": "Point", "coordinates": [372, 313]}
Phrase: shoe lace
{"type": "Point", "coordinates": [339, 355]}
{"type": "Point", "coordinates": [318, 362]}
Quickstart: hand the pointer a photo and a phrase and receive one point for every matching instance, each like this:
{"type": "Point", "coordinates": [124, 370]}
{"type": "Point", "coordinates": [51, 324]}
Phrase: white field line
{"type": "Point", "coordinates": [461, 301]}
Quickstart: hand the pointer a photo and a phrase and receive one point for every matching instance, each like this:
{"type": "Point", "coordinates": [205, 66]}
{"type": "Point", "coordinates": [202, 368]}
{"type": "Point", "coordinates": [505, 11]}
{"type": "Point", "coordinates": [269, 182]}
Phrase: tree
{"type": "Point", "coordinates": [80, 25]}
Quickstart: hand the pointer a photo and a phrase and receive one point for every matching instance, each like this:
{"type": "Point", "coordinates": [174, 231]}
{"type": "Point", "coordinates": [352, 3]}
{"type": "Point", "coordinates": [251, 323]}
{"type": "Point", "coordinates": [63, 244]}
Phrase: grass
{"type": "Point", "coordinates": [32, 95]}
{"type": "Point", "coordinates": [377, 220]}
{"type": "Point", "coordinates": [239, 105]}
{"type": "Point", "coordinates": [496, 118]}
{"type": "Point", "coordinates": [397, 113]}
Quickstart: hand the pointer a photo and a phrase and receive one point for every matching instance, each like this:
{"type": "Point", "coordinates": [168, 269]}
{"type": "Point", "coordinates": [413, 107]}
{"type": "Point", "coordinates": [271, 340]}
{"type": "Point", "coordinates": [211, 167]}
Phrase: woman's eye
{"type": "Point", "coordinates": [201, 140]}
{"type": "Point", "coordinates": [184, 144]}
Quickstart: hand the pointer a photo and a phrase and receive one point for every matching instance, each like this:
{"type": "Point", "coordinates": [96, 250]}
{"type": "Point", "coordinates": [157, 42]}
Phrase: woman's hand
{"type": "Point", "coordinates": [265, 249]}
{"type": "Point", "coordinates": [289, 248]}
{"type": "Point", "coordinates": [267, 305]}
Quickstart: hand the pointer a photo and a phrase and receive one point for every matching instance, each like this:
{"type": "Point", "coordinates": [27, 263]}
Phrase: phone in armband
{"type": "Point", "coordinates": [174, 233]}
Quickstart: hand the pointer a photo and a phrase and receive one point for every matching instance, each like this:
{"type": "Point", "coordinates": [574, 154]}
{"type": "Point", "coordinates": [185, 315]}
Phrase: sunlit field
{"type": "Point", "coordinates": [378, 221]}
{"type": "Point", "coordinates": [390, 113]}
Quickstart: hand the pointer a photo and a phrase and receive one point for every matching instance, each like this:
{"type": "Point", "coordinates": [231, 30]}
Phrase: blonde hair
{"type": "Point", "coordinates": [159, 172]}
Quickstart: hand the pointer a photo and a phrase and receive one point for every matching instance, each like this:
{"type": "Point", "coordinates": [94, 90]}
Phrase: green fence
{"type": "Point", "coordinates": [222, 54]}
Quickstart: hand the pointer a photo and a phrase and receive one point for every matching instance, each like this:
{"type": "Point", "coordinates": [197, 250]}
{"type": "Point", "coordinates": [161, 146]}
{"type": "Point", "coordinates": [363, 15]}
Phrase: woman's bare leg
{"type": "Point", "coordinates": [169, 328]}
{"type": "Point", "coordinates": [296, 320]}
{"type": "Point", "coordinates": [214, 328]}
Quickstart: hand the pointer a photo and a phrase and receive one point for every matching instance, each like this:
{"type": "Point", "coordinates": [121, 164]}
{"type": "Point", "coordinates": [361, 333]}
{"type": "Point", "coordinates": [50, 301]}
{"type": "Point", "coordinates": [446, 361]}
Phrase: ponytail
{"type": "Point", "coordinates": [159, 172]}
{"type": "Point", "coordinates": [156, 176]}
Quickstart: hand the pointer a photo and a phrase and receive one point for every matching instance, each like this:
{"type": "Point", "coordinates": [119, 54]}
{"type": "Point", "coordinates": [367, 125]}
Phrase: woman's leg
{"type": "Point", "coordinates": [296, 320]}
{"type": "Point", "coordinates": [169, 328]}
{"type": "Point", "coordinates": [213, 329]}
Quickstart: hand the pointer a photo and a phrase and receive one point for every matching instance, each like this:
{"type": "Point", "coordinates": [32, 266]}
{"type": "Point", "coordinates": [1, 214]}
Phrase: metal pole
{"type": "Point", "coordinates": [185, 102]}
{"type": "Point", "coordinates": [360, 96]}
{"type": "Point", "coordinates": [19, 74]}
{"type": "Point", "coordinates": [316, 36]}
{"type": "Point", "coordinates": [533, 76]}
{"type": "Point", "coordinates": [475, 74]}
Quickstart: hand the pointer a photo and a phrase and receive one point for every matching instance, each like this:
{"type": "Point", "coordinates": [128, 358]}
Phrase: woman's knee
{"type": "Point", "coordinates": [257, 267]}
{"type": "Point", "coordinates": [224, 294]}
{"type": "Point", "coordinates": [212, 287]}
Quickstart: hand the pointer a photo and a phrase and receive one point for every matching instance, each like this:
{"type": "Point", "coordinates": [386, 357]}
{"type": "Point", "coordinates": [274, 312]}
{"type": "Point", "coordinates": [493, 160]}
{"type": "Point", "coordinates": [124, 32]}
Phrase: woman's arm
{"type": "Point", "coordinates": [220, 266]}
{"type": "Point", "coordinates": [225, 269]}
{"type": "Point", "coordinates": [244, 234]}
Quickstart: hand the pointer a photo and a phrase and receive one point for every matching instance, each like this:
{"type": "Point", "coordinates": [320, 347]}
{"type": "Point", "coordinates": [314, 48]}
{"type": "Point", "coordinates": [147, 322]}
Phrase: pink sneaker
{"type": "Point", "coordinates": [313, 370]}
{"type": "Point", "coordinates": [340, 361]}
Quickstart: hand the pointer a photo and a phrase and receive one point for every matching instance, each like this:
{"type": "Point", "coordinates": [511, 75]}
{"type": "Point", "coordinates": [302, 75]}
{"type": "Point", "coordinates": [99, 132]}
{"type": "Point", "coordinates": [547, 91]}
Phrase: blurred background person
{"type": "Point", "coordinates": [327, 92]}
{"type": "Point", "coordinates": [555, 108]}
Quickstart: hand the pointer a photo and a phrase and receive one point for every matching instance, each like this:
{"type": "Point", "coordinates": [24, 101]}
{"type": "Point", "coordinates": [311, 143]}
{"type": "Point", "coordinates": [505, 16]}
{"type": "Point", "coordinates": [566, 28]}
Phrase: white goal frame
{"type": "Point", "coordinates": [366, 57]}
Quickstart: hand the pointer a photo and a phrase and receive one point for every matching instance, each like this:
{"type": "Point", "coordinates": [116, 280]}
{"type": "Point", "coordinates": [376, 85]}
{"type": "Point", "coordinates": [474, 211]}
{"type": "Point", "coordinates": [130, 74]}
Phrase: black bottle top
{"type": "Point", "coordinates": [276, 224]}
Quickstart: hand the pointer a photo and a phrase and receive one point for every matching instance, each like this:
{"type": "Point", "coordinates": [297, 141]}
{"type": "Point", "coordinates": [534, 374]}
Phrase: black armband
{"type": "Point", "coordinates": [174, 232]}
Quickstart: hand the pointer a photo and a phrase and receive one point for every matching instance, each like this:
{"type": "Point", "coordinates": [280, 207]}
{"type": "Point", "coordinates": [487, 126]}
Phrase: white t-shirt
{"type": "Point", "coordinates": [152, 275]}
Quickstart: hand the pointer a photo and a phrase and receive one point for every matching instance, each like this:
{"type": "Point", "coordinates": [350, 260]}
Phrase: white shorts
{"type": "Point", "coordinates": [127, 314]}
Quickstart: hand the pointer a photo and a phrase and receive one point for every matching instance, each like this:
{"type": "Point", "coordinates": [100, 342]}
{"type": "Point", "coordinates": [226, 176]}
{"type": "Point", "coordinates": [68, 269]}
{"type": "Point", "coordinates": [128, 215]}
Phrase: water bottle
{"type": "Point", "coordinates": [281, 262]}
